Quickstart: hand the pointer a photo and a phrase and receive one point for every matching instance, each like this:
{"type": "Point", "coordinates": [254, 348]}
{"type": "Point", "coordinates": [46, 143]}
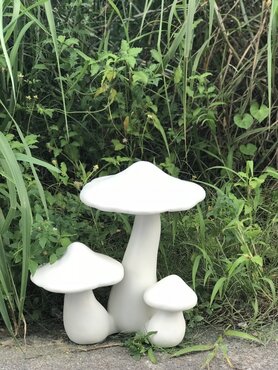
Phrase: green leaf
{"type": "Point", "coordinates": [156, 55]}
{"type": "Point", "coordinates": [40, 66]}
{"type": "Point", "coordinates": [239, 261]}
{"type": "Point", "coordinates": [151, 356]}
{"type": "Point", "coordinates": [195, 269]}
{"type": "Point", "coordinates": [248, 149]}
{"type": "Point", "coordinates": [189, 91]}
{"type": "Point", "coordinates": [134, 52]}
{"type": "Point", "coordinates": [61, 38]}
{"type": "Point", "coordinates": [258, 260]}
{"type": "Point", "coordinates": [45, 111]}
{"type": "Point", "coordinates": [243, 121]}
{"type": "Point", "coordinates": [102, 89]}
{"type": "Point", "coordinates": [53, 258]}
{"type": "Point", "coordinates": [30, 159]}
{"type": "Point", "coordinates": [195, 348]}
{"type": "Point", "coordinates": [94, 68]}
{"type": "Point", "coordinates": [259, 113]}
{"type": "Point", "coordinates": [217, 288]}
{"type": "Point", "coordinates": [241, 335]}
{"type": "Point", "coordinates": [153, 117]}
{"type": "Point", "coordinates": [65, 242]}
{"type": "Point", "coordinates": [270, 171]}
{"type": "Point", "coordinates": [272, 288]}
{"type": "Point", "coordinates": [256, 182]}
{"type": "Point", "coordinates": [124, 46]}
{"type": "Point", "coordinates": [42, 241]}
{"type": "Point", "coordinates": [140, 76]}
{"type": "Point", "coordinates": [117, 145]}
{"type": "Point", "coordinates": [130, 60]}
{"type": "Point", "coordinates": [178, 75]}
{"type": "Point", "coordinates": [33, 265]}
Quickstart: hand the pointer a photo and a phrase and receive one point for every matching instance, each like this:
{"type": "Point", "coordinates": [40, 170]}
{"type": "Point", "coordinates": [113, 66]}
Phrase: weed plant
{"type": "Point", "coordinates": [92, 86]}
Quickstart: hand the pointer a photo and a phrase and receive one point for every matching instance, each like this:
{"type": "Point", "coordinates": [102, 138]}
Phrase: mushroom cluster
{"type": "Point", "coordinates": [145, 191]}
{"type": "Point", "coordinates": [137, 301]}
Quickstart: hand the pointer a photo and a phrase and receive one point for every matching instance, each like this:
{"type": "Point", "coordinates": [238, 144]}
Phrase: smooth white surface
{"type": "Point", "coordinates": [171, 294]}
{"type": "Point", "coordinates": [146, 191]}
{"type": "Point", "coordinates": [78, 270]}
{"type": "Point", "coordinates": [85, 320]}
{"type": "Point", "coordinates": [141, 189]}
{"type": "Point", "coordinates": [126, 303]}
{"type": "Point", "coordinates": [168, 297]}
{"type": "Point", "coordinates": [170, 328]}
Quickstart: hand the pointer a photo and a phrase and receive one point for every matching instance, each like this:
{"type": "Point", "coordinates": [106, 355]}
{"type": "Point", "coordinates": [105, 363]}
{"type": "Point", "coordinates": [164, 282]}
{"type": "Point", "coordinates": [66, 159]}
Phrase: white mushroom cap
{"type": "Point", "coordinates": [170, 294]}
{"type": "Point", "coordinates": [141, 189]}
{"type": "Point", "coordinates": [78, 270]}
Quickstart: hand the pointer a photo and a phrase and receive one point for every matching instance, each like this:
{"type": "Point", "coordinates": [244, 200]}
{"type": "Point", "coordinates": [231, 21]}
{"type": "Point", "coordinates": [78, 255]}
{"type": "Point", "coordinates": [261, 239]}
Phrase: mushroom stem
{"type": "Point", "coordinates": [170, 327]}
{"type": "Point", "coordinates": [126, 303]}
{"type": "Point", "coordinates": [86, 321]}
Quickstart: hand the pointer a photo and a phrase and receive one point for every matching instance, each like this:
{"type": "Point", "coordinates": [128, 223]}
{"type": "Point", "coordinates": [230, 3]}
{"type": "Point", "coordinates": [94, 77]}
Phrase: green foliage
{"type": "Point", "coordinates": [16, 222]}
{"type": "Point", "coordinates": [140, 345]}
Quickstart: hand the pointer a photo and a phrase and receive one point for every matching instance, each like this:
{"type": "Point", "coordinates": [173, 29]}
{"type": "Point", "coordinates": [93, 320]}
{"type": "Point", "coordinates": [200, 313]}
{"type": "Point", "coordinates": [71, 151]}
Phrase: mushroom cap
{"type": "Point", "coordinates": [78, 270]}
{"type": "Point", "coordinates": [141, 189]}
{"type": "Point", "coordinates": [170, 294]}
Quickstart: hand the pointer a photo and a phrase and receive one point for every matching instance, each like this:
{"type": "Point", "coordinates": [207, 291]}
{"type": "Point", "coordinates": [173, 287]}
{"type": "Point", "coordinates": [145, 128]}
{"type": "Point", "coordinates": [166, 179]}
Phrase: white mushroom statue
{"type": "Point", "coordinates": [79, 271]}
{"type": "Point", "coordinates": [169, 298]}
{"type": "Point", "coordinates": [144, 191]}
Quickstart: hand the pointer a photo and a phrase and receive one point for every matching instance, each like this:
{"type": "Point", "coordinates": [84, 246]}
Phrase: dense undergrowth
{"type": "Point", "coordinates": [89, 87]}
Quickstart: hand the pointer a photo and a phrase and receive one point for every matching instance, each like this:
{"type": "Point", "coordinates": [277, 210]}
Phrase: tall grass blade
{"type": "Point", "coordinates": [30, 159]}
{"type": "Point", "coordinates": [27, 11]}
{"type": "Point", "coordinates": [189, 29]}
{"type": "Point", "coordinates": [9, 29]}
{"type": "Point", "coordinates": [29, 155]}
{"type": "Point", "coordinates": [211, 16]}
{"type": "Point", "coordinates": [241, 335]}
{"type": "Point", "coordinates": [170, 21]}
{"type": "Point", "coordinates": [148, 4]}
{"type": "Point", "coordinates": [52, 27]}
{"type": "Point", "coordinates": [5, 51]}
{"type": "Point", "coordinates": [5, 314]}
{"type": "Point", "coordinates": [271, 51]}
{"type": "Point", "coordinates": [26, 215]}
{"type": "Point", "coordinates": [17, 43]}
{"type": "Point", "coordinates": [117, 11]}
{"type": "Point", "coordinates": [195, 268]}
{"type": "Point", "coordinates": [192, 349]}
{"type": "Point", "coordinates": [218, 287]}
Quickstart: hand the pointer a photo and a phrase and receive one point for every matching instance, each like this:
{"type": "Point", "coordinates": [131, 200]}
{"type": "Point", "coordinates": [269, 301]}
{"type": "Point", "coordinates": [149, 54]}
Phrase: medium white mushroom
{"type": "Point", "coordinates": [169, 298]}
{"type": "Point", "coordinates": [79, 271]}
{"type": "Point", "coordinates": [144, 191]}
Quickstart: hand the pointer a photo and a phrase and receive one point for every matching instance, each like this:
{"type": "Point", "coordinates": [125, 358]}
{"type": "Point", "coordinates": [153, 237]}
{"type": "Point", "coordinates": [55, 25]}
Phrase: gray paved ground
{"type": "Point", "coordinates": [52, 350]}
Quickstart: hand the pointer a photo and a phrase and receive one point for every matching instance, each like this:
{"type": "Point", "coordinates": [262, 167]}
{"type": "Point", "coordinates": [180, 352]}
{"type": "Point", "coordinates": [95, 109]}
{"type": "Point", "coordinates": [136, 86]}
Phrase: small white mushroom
{"type": "Point", "coordinates": [79, 271]}
{"type": "Point", "coordinates": [144, 191]}
{"type": "Point", "coordinates": [169, 298]}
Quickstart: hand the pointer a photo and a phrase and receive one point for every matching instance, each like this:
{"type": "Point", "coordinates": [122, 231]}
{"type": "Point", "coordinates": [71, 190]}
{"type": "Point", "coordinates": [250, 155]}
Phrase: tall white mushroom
{"type": "Point", "coordinates": [169, 298]}
{"type": "Point", "coordinates": [144, 191]}
{"type": "Point", "coordinates": [79, 271]}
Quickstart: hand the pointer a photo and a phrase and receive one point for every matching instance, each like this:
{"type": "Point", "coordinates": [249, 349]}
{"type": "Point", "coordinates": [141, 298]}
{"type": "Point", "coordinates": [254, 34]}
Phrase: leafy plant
{"type": "Point", "coordinates": [16, 221]}
{"type": "Point", "coordinates": [140, 345]}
